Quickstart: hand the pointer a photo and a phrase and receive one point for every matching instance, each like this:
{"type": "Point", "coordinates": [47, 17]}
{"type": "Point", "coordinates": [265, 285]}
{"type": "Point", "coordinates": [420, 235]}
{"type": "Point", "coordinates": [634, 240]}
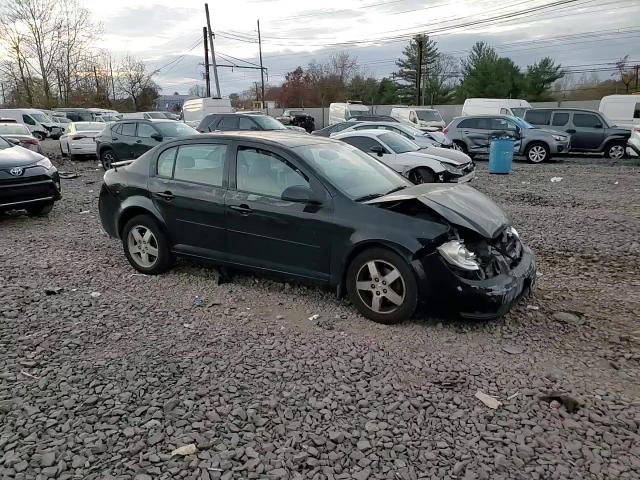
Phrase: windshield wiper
{"type": "Point", "coordinates": [397, 189]}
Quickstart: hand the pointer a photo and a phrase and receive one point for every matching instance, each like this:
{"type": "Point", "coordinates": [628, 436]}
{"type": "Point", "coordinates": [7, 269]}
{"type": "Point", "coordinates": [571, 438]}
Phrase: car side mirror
{"type": "Point", "coordinates": [157, 137]}
{"type": "Point", "coordinates": [379, 151]}
{"type": "Point", "coordinates": [299, 194]}
{"type": "Point", "coordinates": [597, 125]}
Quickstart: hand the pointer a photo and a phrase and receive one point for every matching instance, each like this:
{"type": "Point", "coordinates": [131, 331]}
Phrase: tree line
{"type": "Point", "coordinates": [51, 62]}
{"type": "Point", "coordinates": [444, 80]}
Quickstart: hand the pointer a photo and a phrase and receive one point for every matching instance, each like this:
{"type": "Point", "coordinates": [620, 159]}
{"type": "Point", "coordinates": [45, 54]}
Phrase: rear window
{"type": "Point", "coordinates": [538, 117]}
{"type": "Point", "coordinates": [468, 123]}
{"type": "Point", "coordinates": [560, 119]}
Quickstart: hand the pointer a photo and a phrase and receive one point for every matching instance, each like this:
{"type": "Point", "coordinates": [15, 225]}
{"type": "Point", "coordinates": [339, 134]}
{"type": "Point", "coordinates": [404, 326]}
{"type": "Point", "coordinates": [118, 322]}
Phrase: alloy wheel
{"type": "Point", "coordinates": [143, 246]}
{"type": "Point", "coordinates": [108, 158]}
{"type": "Point", "coordinates": [380, 286]}
{"type": "Point", "coordinates": [456, 146]}
{"type": "Point", "coordinates": [616, 152]}
{"type": "Point", "coordinates": [537, 153]}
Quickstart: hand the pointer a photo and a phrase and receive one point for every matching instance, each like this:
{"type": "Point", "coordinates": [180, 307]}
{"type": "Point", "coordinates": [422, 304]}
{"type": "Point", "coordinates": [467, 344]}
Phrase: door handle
{"type": "Point", "coordinates": [243, 209]}
{"type": "Point", "coordinates": [572, 131]}
{"type": "Point", "coordinates": [138, 141]}
{"type": "Point", "coordinates": [465, 131]}
{"type": "Point", "coordinates": [166, 195]}
{"type": "Point", "coordinates": [114, 139]}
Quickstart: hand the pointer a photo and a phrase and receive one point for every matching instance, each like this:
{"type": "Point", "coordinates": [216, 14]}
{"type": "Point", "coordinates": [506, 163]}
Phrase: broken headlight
{"type": "Point", "coordinates": [457, 254]}
{"type": "Point", "coordinates": [451, 168]}
{"type": "Point", "coordinates": [513, 232]}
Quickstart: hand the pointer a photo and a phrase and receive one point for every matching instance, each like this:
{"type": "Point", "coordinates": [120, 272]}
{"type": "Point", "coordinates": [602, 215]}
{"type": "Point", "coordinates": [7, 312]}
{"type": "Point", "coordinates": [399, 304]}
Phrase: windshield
{"type": "Point", "coordinates": [41, 117]}
{"type": "Point", "coordinates": [157, 115]}
{"type": "Point", "coordinates": [408, 129]}
{"type": "Point", "coordinates": [397, 143]}
{"type": "Point", "coordinates": [351, 171]}
{"type": "Point", "coordinates": [268, 123]}
{"type": "Point", "coordinates": [357, 113]}
{"type": "Point", "coordinates": [519, 111]}
{"type": "Point", "coordinates": [89, 126]}
{"type": "Point", "coordinates": [175, 129]}
{"type": "Point", "coordinates": [521, 123]}
{"type": "Point", "coordinates": [429, 115]}
{"type": "Point", "coordinates": [4, 144]}
{"type": "Point", "coordinates": [15, 128]}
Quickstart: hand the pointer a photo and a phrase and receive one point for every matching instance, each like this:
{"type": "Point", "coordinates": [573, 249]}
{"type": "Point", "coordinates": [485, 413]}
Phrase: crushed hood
{"type": "Point", "coordinates": [461, 205]}
{"type": "Point", "coordinates": [447, 155]}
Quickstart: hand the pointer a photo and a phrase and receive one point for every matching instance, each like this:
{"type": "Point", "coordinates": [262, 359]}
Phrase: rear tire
{"type": "Point", "coordinates": [382, 286]}
{"type": "Point", "coordinates": [107, 158]}
{"type": "Point", "coordinates": [616, 150]}
{"type": "Point", "coordinates": [422, 175]}
{"type": "Point", "coordinates": [146, 246]}
{"type": "Point", "coordinates": [62, 152]}
{"type": "Point", "coordinates": [40, 209]}
{"type": "Point", "coordinates": [537, 152]}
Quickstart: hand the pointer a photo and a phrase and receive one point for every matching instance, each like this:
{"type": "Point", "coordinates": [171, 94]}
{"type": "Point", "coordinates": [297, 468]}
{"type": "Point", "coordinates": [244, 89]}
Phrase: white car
{"type": "Point", "coordinates": [79, 138]}
{"type": "Point", "coordinates": [433, 143]}
{"type": "Point", "coordinates": [407, 158]}
{"type": "Point", "coordinates": [633, 143]}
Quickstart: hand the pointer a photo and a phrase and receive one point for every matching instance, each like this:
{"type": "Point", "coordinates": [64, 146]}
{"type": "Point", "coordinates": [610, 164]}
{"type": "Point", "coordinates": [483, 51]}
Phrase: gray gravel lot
{"type": "Point", "coordinates": [107, 386]}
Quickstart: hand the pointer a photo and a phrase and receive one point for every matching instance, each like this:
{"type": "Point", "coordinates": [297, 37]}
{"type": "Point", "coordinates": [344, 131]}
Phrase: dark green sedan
{"type": "Point", "coordinates": [128, 139]}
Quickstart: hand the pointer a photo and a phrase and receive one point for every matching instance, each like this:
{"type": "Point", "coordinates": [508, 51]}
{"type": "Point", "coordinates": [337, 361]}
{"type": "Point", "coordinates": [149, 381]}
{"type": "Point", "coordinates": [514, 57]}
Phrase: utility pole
{"type": "Point", "coordinates": [207, 78]}
{"type": "Point", "coordinates": [4, 100]}
{"type": "Point", "coordinates": [113, 83]}
{"type": "Point", "coordinates": [262, 68]}
{"type": "Point", "coordinates": [59, 86]}
{"type": "Point", "coordinates": [637, 70]}
{"type": "Point", "coordinates": [213, 51]}
{"type": "Point", "coordinates": [419, 69]}
{"type": "Point", "coordinates": [95, 74]}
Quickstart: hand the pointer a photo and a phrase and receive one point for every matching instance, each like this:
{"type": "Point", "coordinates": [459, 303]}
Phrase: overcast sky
{"type": "Point", "coordinates": [578, 33]}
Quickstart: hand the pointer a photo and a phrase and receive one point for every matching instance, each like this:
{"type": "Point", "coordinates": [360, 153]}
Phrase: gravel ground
{"type": "Point", "coordinates": [104, 372]}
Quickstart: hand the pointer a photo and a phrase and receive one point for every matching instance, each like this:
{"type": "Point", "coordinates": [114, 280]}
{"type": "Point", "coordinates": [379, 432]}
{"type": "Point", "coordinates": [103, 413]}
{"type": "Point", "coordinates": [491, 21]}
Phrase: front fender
{"type": "Point", "coordinates": [434, 165]}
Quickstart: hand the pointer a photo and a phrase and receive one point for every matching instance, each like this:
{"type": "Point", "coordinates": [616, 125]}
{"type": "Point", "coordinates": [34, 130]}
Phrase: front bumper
{"type": "Point", "coordinates": [634, 145]}
{"type": "Point", "coordinates": [443, 288]}
{"type": "Point", "coordinates": [468, 174]}
{"type": "Point", "coordinates": [560, 148]}
{"type": "Point", "coordinates": [34, 186]}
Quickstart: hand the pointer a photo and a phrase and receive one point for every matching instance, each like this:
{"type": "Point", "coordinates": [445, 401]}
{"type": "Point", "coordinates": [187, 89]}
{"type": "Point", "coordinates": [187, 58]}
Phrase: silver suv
{"type": "Point", "coordinates": [473, 136]}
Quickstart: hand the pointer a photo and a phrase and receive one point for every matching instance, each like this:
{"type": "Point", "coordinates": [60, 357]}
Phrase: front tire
{"type": "Point", "coordinates": [146, 246]}
{"type": "Point", "coordinates": [460, 146]}
{"type": "Point", "coordinates": [40, 209]}
{"type": "Point", "coordinates": [382, 286]}
{"type": "Point", "coordinates": [616, 150]}
{"type": "Point", "coordinates": [107, 158]}
{"type": "Point", "coordinates": [422, 175]}
{"type": "Point", "coordinates": [537, 153]}
{"type": "Point", "coordinates": [40, 136]}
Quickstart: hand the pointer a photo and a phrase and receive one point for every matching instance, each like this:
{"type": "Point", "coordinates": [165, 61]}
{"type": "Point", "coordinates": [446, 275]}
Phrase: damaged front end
{"type": "Point", "coordinates": [483, 268]}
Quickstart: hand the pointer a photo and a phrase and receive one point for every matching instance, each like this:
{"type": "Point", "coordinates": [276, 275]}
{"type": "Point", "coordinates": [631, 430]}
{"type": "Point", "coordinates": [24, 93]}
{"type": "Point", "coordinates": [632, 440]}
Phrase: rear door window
{"type": "Point", "coordinates": [201, 163]}
{"type": "Point", "coordinates": [468, 123]}
{"type": "Point", "coordinates": [228, 123]}
{"type": "Point", "coordinates": [165, 162]}
{"type": "Point", "coordinates": [560, 119]}
{"type": "Point", "coordinates": [362, 143]}
{"type": "Point", "coordinates": [586, 120]}
{"type": "Point", "coordinates": [129, 129]}
{"type": "Point", "coordinates": [538, 117]}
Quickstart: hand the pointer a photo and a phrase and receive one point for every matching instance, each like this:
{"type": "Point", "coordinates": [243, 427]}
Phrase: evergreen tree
{"type": "Point", "coordinates": [540, 77]}
{"type": "Point", "coordinates": [485, 74]}
{"type": "Point", "coordinates": [408, 66]}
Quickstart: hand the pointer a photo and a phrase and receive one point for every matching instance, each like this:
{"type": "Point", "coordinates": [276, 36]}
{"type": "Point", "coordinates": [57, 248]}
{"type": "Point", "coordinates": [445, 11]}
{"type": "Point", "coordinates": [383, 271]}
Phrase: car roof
{"type": "Point", "coordinates": [367, 133]}
{"type": "Point", "coordinates": [151, 120]}
{"type": "Point", "coordinates": [567, 109]}
{"type": "Point", "coordinates": [285, 138]}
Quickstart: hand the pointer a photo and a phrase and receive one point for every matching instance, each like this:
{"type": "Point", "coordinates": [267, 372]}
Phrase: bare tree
{"type": "Point", "coordinates": [41, 21]}
{"type": "Point", "coordinates": [133, 79]}
{"type": "Point", "coordinates": [343, 66]}
{"type": "Point", "coordinates": [627, 73]}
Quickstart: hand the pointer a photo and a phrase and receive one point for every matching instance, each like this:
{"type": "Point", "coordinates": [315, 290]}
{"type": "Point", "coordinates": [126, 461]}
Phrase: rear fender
{"type": "Point", "coordinates": [138, 205]}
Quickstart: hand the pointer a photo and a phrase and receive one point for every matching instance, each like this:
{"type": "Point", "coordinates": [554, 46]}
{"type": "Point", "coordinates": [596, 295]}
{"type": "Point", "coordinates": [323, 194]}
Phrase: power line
{"type": "Point", "coordinates": [176, 60]}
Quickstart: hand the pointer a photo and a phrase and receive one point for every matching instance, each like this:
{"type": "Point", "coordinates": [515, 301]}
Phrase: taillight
{"type": "Point", "coordinates": [446, 130]}
{"type": "Point", "coordinates": [30, 141]}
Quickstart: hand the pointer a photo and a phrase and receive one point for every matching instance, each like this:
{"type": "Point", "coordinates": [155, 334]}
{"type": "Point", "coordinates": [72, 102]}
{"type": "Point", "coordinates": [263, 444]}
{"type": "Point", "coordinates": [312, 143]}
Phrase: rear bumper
{"type": "Point", "coordinates": [83, 148]}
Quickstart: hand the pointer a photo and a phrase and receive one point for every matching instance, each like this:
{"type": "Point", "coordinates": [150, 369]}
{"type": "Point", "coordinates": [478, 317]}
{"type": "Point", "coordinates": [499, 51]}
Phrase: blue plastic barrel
{"type": "Point", "coordinates": [501, 155]}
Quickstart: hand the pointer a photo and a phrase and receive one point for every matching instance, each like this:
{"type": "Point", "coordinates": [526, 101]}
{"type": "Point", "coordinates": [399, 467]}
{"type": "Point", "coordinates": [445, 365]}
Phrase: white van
{"type": "Point", "coordinates": [495, 106]}
{"type": "Point", "coordinates": [193, 111]}
{"type": "Point", "coordinates": [40, 125]}
{"type": "Point", "coordinates": [421, 117]}
{"type": "Point", "coordinates": [341, 112]}
{"type": "Point", "coordinates": [622, 110]}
